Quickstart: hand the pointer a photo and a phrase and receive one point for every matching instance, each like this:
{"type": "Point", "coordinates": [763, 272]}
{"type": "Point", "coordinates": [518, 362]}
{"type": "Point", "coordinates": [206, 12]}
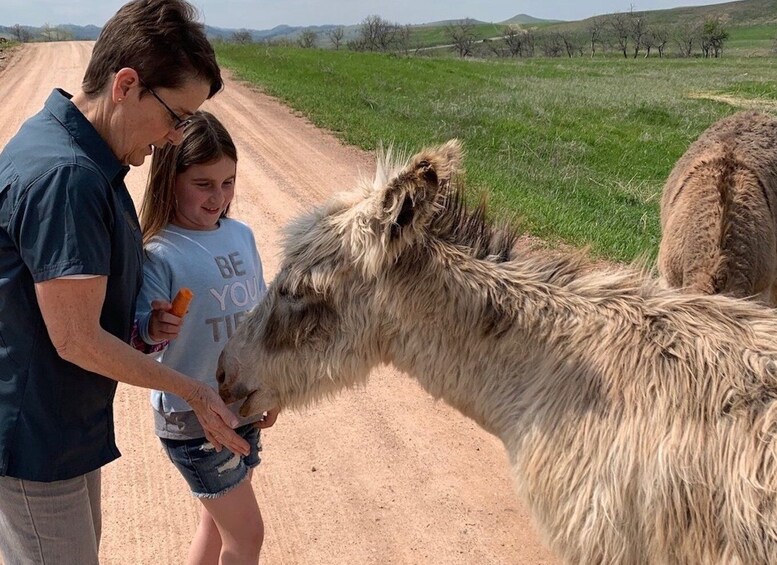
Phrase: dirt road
{"type": "Point", "coordinates": [382, 475]}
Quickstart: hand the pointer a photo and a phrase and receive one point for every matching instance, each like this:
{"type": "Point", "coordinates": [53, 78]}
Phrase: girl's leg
{"type": "Point", "coordinates": [239, 523]}
{"type": "Point", "coordinates": [206, 545]}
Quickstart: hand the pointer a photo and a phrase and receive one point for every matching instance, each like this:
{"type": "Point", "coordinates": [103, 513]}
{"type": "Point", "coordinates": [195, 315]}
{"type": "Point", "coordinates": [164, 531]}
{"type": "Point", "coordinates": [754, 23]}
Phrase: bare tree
{"type": "Point", "coordinates": [462, 36]}
{"type": "Point", "coordinates": [402, 39]}
{"type": "Point", "coordinates": [500, 48]}
{"type": "Point", "coordinates": [686, 34]}
{"type": "Point", "coordinates": [551, 44]}
{"type": "Point", "coordinates": [648, 41]}
{"type": "Point", "coordinates": [513, 40]}
{"type": "Point", "coordinates": [529, 40]}
{"type": "Point", "coordinates": [620, 26]}
{"type": "Point", "coordinates": [241, 36]}
{"type": "Point", "coordinates": [572, 43]}
{"type": "Point", "coordinates": [713, 36]}
{"type": "Point", "coordinates": [594, 30]}
{"type": "Point", "coordinates": [307, 39]}
{"type": "Point", "coordinates": [637, 30]}
{"type": "Point", "coordinates": [377, 34]}
{"type": "Point", "coordinates": [336, 36]}
{"type": "Point", "coordinates": [21, 34]}
{"type": "Point", "coordinates": [660, 39]}
{"type": "Point", "coordinates": [55, 33]}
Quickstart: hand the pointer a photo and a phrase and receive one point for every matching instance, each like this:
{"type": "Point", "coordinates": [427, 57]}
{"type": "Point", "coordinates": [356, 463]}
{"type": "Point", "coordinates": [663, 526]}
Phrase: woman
{"type": "Point", "coordinates": [70, 273]}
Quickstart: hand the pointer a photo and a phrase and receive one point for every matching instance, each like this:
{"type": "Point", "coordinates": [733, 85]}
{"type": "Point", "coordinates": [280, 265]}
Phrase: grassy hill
{"type": "Point", "coordinates": [524, 19]}
{"type": "Point", "coordinates": [744, 13]}
{"type": "Point", "coordinates": [752, 24]}
{"type": "Point", "coordinates": [578, 148]}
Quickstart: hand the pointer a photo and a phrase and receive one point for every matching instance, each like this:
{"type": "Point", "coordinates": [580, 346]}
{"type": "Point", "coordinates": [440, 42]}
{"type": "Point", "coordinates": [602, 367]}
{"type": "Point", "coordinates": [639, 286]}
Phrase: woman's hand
{"type": "Point", "coordinates": [72, 308]}
{"type": "Point", "coordinates": [216, 419]}
{"type": "Point", "coordinates": [162, 325]}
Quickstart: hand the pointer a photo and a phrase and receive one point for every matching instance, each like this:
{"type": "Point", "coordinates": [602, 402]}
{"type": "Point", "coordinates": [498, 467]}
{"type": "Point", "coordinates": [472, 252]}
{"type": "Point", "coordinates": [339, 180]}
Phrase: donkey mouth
{"type": "Point", "coordinates": [250, 405]}
{"type": "Point", "coordinates": [233, 393]}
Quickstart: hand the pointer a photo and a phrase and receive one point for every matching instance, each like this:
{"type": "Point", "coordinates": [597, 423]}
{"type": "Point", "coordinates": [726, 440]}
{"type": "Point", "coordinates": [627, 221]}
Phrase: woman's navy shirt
{"type": "Point", "coordinates": [64, 210]}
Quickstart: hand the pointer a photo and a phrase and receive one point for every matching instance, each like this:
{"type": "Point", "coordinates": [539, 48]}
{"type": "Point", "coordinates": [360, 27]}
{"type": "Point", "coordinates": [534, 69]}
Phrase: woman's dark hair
{"type": "Point", "coordinates": [161, 39]}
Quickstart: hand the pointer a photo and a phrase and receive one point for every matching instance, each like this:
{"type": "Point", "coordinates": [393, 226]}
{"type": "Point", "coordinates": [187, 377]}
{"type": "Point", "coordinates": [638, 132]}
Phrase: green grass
{"type": "Point", "coordinates": [753, 33]}
{"type": "Point", "coordinates": [577, 148]}
{"type": "Point", "coordinates": [751, 40]}
{"type": "Point", "coordinates": [753, 90]}
{"type": "Point", "coordinates": [438, 35]}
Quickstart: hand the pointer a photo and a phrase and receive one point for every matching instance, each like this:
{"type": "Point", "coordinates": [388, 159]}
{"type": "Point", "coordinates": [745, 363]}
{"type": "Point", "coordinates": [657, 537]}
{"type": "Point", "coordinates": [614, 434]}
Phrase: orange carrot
{"type": "Point", "coordinates": [181, 302]}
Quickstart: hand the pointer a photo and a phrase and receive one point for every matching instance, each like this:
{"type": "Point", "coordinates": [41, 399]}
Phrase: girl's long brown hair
{"type": "Point", "coordinates": [205, 139]}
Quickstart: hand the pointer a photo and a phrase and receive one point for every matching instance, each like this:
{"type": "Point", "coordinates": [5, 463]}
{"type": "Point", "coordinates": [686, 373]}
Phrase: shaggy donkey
{"type": "Point", "coordinates": [640, 422]}
{"type": "Point", "coordinates": [719, 211]}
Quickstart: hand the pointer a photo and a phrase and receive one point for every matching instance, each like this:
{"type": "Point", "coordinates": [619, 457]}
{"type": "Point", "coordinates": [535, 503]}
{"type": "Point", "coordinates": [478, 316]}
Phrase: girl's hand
{"type": "Point", "coordinates": [163, 325]}
{"type": "Point", "coordinates": [268, 419]}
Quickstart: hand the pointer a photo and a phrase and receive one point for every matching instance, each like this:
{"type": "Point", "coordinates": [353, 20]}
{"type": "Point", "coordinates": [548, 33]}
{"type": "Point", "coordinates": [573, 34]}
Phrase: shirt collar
{"type": "Point", "coordinates": [60, 106]}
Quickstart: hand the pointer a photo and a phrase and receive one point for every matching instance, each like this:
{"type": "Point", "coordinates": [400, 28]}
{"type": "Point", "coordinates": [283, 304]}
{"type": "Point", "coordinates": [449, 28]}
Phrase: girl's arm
{"type": "Point", "coordinates": [71, 310]}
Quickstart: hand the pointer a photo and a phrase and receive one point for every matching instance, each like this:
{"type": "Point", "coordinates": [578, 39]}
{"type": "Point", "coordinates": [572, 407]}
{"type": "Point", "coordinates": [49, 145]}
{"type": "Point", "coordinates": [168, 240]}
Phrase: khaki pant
{"type": "Point", "coordinates": [56, 523]}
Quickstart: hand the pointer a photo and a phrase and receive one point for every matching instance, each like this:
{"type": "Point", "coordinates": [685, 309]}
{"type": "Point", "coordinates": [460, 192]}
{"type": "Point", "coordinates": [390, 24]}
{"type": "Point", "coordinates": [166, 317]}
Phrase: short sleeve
{"type": "Point", "coordinates": [257, 263]}
{"type": "Point", "coordinates": [63, 224]}
{"type": "Point", "coordinates": [157, 283]}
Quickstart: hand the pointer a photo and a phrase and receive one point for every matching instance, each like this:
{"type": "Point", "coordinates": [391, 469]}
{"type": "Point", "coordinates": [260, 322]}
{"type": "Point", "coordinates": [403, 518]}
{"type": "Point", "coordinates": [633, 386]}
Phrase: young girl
{"type": "Point", "coordinates": [190, 242]}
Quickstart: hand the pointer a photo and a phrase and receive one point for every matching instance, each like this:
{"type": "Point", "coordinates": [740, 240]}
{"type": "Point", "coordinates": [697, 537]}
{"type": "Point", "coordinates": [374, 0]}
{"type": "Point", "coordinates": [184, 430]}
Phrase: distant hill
{"type": "Point", "coordinates": [443, 23]}
{"type": "Point", "coordinates": [524, 19]}
{"type": "Point", "coordinates": [53, 33]}
{"type": "Point", "coordinates": [743, 13]}
{"type": "Point", "coordinates": [82, 32]}
{"type": "Point", "coordinates": [733, 14]}
{"type": "Point", "coordinates": [278, 32]}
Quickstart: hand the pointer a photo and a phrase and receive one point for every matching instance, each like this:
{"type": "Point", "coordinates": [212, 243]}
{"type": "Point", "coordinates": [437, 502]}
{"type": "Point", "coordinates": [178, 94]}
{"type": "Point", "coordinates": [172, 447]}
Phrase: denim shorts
{"type": "Point", "coordinates": [212, 473]}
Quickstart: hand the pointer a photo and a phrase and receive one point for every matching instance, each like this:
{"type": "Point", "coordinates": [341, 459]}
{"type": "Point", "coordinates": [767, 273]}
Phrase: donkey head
{"type": "Point", "coordinates": [322, 324]}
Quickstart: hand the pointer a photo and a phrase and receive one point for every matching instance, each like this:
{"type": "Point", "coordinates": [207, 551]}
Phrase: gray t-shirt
{"type": "Point", "coordinates": [223, 269]}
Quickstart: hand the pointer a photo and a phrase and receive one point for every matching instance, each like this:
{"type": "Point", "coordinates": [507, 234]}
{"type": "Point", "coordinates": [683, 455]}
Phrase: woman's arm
{"type": "Point", "coordinates": [71, 309]}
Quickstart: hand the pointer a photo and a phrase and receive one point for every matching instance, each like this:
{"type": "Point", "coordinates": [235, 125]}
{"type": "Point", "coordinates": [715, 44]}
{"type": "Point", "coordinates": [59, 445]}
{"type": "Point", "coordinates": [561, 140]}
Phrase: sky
{"type": "Point", "coordinates": [267, 14]}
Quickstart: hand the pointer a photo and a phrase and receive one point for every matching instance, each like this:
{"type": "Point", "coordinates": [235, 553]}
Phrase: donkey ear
{"type": "Point", "coordinates": [411, 197]}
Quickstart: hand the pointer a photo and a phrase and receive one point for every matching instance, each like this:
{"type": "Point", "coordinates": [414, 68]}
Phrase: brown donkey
{"type": "Point", "coordinates": [719, 211]}
{"type": "Point", "coordinates": [641, 423]}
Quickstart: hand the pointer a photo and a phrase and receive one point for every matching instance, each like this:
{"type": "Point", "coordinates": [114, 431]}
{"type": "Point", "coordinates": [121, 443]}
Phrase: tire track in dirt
{"type": "Point", "coordinates": [398, 479]}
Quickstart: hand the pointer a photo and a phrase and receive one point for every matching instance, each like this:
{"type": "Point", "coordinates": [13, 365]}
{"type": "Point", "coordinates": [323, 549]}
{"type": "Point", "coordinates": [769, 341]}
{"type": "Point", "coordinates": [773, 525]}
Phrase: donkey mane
{"type": "Point", "coordinates": [472, 231]}
{"type": "Point", "coordinates": [456, 224]}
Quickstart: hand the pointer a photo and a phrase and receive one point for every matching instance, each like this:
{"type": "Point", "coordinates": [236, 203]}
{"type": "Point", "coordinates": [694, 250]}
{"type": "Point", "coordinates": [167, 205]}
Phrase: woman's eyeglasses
{"type": "Point", "coordinates": [179, 122]}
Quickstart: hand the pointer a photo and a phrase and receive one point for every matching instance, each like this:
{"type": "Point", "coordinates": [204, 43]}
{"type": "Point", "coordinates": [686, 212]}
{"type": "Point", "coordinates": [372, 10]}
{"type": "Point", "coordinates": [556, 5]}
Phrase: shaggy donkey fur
{"type": "Point", "coordinates": [719, 211]}
{"type": "Point", "coordinates": [640, 422]}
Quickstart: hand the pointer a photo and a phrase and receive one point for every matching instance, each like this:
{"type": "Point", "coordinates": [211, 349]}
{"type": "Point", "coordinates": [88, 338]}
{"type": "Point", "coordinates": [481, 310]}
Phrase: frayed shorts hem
{"type": "Point", "coordinates": [221, 493]}
{"type": "Point", "coordinates": [210, 473]}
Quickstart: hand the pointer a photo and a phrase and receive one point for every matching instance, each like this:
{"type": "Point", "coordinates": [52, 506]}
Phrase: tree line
{"type": "Point", "coordinates": [47, 32]}
{"type": "Point", "coordinates": [628, 33]}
